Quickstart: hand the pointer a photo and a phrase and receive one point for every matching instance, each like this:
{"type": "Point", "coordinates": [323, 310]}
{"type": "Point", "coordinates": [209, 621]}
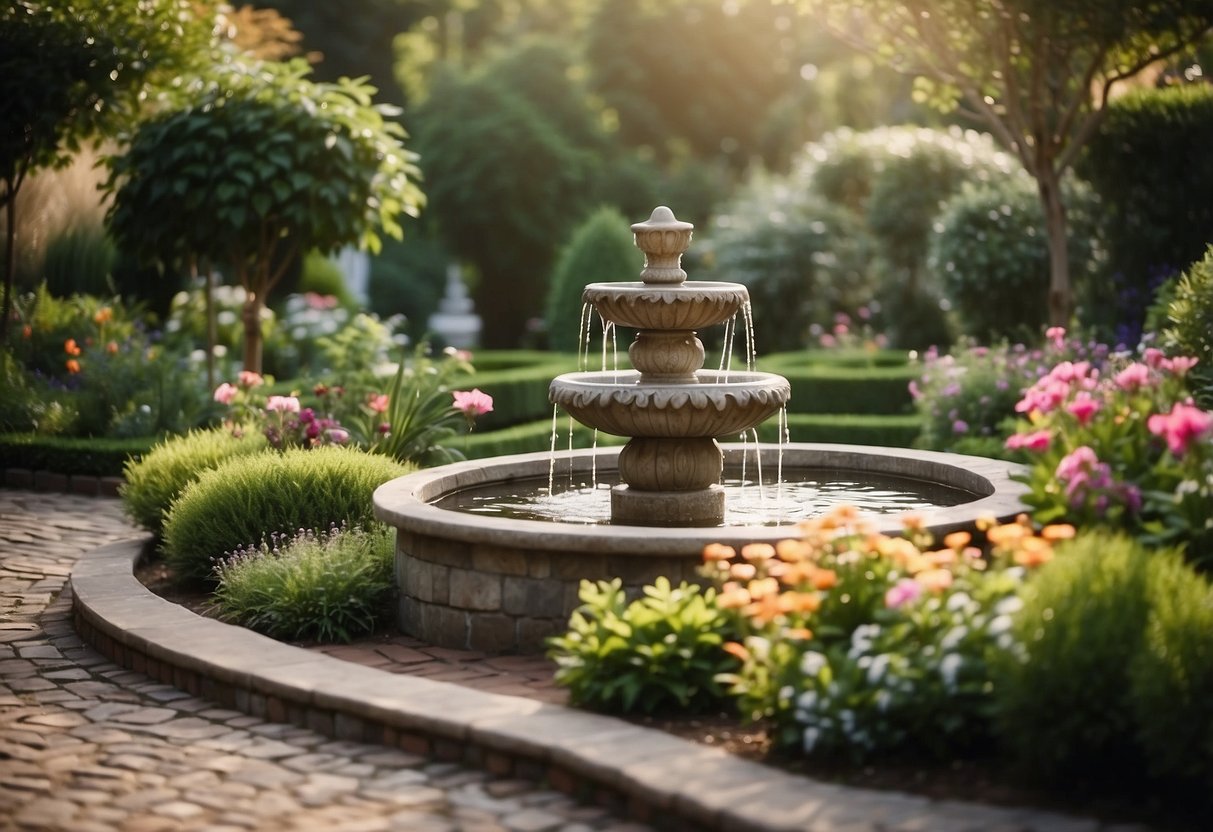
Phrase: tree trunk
{"type": "Point", "coordinates": [1061, 293]}
{"type": "Point", "coordinates": [10, 258]}
{"type": "Point", "coordinates": [252, 333]}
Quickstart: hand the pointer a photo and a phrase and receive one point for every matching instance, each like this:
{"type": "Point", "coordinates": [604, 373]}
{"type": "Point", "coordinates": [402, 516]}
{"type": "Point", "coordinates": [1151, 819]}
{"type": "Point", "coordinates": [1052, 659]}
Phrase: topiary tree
{"type": "Point", "coordinates": [70, 72]}
{"type": "Point", "coordinates": [601, 250]}
{"type": "Point", "coordinates": [260, 165]}
{"type": "Point", "coordinates": [992, 255]}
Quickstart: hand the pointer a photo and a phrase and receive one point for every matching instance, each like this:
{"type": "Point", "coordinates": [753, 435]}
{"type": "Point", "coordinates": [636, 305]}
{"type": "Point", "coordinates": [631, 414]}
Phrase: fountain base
{"type": "Point", "coordinates": [501, 585]}
{"type": "Point", "coordinates": [676, 509]}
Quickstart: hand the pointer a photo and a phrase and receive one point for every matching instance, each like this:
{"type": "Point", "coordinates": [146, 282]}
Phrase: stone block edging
{"type": "Point", "coordinates": [657, 778]}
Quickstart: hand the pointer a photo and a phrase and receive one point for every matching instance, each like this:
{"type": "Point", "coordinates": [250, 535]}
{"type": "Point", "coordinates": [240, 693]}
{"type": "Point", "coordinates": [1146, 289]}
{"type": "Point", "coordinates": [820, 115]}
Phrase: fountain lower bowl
{"type": "Point", "coordinates": [717, 403]}
{"type": "Point", "coordinates": [502, 585]}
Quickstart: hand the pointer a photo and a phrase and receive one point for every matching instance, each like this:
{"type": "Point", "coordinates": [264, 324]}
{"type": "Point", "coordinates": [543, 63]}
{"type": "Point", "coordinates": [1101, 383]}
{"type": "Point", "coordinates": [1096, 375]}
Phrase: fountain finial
{"type": "Point", "coordinates": [663, 239]}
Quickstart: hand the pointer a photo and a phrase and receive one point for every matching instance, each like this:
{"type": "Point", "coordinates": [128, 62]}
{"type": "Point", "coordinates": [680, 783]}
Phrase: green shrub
{"type": "Point", "coordinates": [825, 388]}
{"type": "Point", "coordinates": [661, 651]}
{"type": "Point", "coordinates": [246, 499]}
{"type": "Point", "coordinates": [78, 262]}
{"type": "Point", "coordinates": [1064, 704]}
{"type": "Point", "coordinates": [896, 180]}
{"type": "Point", "coordinates": [991, 252]}
{"type": "Point", "coordinates": [601, 250]}
{"type": "Point", "coordinates": [1188, 326]}
{"type": "Point", "coordinates": [70, 455]}
{"type": "Point", "coordinates": [326, 586]}
{"type": "Point", "coordinates": [408, 277]}
{"type": "Point", "coordinates": [802, 259]}
{"type": "Point", "coordinates": [1147, 159]}
{"type": "Point", "coordinates": [322, 276]}
{"type": "Point", "coordinates": [155, 480]}
{"type": "Point", "coordinates": [1172, 675]}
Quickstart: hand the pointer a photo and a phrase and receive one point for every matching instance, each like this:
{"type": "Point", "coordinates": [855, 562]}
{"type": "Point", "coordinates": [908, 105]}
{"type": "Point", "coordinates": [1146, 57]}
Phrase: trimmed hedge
{"type": "Point", "coordinates": [89, 456]}
{"type": "Point", "coordinates": [519, 395]}
{"type": "Point", "coordinates": [826, 389]}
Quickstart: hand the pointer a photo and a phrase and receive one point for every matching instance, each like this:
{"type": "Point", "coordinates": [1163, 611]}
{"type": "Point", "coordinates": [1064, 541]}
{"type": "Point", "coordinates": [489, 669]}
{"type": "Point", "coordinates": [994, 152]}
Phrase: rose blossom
{"type": "Point", "coordinates": [285, 404]}
{"type": "Point", "coordinates": [1184, 423]}
{"type": "Point", "coordinates": [473, 403]}
{"type": "Point", "coordinates": [226, 393]}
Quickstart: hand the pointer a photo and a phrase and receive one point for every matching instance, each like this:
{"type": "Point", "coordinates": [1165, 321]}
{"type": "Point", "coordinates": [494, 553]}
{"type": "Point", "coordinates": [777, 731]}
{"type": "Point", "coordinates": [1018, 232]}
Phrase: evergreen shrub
{"type": "Point", "coordinates": [247, 499]}
{"type": "Point", "coordinates": [154, 480]}
{"type": "Point", "coordinates": [1186, 319]}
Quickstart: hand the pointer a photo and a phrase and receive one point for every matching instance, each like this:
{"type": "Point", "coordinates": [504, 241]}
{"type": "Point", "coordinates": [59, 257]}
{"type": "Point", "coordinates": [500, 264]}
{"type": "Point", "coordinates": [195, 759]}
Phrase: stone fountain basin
{"type": "Point", "coordinates": [496, 584]}
{"type": "Point", "coordinates": [717, 403]}
{"type": "Point", "coordinates": [692, 304]}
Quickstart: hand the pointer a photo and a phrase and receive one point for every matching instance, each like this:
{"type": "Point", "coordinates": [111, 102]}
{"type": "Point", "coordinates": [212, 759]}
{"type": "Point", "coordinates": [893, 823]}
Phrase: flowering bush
{"type": "Point", "coordinates": [967, 398]}
{"type": "Point", "coordinates": [408, 422]}
{"type": "Point", "coordinates": [1124, 447]}
{"type": "Point", "coordinates": [849, 333]}
{"type": "Point", "coordinates": [858, 643]}
{"type": "Point", "coordinates": [86, 366]}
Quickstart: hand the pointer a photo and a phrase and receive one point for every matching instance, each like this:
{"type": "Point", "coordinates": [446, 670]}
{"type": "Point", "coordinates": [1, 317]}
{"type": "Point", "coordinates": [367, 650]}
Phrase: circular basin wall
{"type": "Point", "coordinates": [502, 585]}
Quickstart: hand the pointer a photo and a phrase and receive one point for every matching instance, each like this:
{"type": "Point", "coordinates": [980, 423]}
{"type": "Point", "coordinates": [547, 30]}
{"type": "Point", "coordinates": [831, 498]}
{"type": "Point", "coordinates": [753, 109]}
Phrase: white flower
{"type": "Point", "coordinates": [948, 668]}
{"type": "Point", "coordinates": [807, 701]}
{"type": "Point", "coordinates": [1009, 605]}
{"type": "Point", "coordinates": [953, 637]}
{"type": "Point", "coordinates": [877, 669]}
{"type": "Point", "coordinates": [811, 736]}
{"type": "Point", "coordinates": [812, 663]}
{"type": "Point", "coordinates": [958, 601]}
{"type": "Point", "coordinates": [1000, 625]}
{"type": "Point", "coordinates": [785, 693]}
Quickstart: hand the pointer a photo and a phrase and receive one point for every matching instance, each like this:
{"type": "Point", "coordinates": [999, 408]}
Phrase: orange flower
{"type": "Point", "coordinates": [717, 551]}
{"type": "Point", "coordinates": [763, 587]}
{"type": "Point", "coordinates": [936, 580]}
{"type": "Point", "coordinates": [801, 601]}
{"type": "Point", "coordinates": [103, 315]}
{"type": "Point", "coordinates": [957, 540]}
{"type": "Point", "coordinates": [793, 550]}
{"type": "Point", "coordinates": [112, 347]}
{"type": "Point", "coordinates": [1033, 551]}
{"type": "Point", "coordinates": [913, 522]}
{"type": "Point", "coordinates": [825, 579]}
{"type": "Point", "coordinates": [798, 633]}
{"type": "Point", "coordinates": [73, 366]}
{"type": "Point", "coordinates": [743, 571]}
{"type": "Point", "coordinates": [27, 332]}
{"type": "Point", "coordinates": [733, 596]}
{"type": "Point", "coordinates": [756, 552]}
{"type": "Point", "coordinates": [1057, 531]}
{"type": "Point", "coordinates": [71, 347]}
{"type": "Point", "coordinates": [765, 610]}
{"type": "Point", "coordinates": [737, 650]}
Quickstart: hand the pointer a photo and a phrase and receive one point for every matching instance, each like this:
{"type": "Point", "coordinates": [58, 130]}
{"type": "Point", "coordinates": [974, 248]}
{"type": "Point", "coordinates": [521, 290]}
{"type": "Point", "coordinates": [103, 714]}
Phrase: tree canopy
{"type": "Point", "coordinates": [1037, 73]}
{"type": "Point", "coordinates": [260, 165]}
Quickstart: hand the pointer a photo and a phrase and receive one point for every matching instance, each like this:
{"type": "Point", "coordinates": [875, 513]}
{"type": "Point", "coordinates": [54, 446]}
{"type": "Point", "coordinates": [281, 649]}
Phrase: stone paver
{"type": "Point", "coordinates": [88, 745]}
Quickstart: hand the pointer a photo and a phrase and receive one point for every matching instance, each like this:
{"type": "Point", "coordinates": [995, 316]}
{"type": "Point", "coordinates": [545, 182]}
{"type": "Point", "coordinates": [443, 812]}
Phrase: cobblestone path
{"type": "Point", "coordinates": [86, 745]}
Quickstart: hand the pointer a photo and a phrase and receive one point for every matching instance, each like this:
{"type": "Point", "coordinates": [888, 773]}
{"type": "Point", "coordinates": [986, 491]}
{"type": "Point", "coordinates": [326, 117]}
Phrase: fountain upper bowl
{"type": "Point", "coordinates": [717, 403]}
{"type": "Point", "coordinates": [690, 305]}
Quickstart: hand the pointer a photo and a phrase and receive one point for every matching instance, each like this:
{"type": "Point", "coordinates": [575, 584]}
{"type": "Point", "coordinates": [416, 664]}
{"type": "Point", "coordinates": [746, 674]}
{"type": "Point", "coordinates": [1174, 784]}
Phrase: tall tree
{"type": "Point", "coordinates": [1037, 73]}
{"type": "Point", "coordinates": [260, 165]}
{"type": "Point", "coordinates": [72, 71]}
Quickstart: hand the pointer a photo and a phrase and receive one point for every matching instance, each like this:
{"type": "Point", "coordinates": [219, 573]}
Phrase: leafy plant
{"type": "Point", "coordinates": [325, 586]}
{"type": "Point", "coordinates": [860, 644]}
{"type": "Point", "coordinates": [1187, 328]}
{"type": "Point", "coordinates": [245, 499]}
{"type": "Point", "coordinates": [152, 482]}
{"type": "Point", "coordinates": [657, 652]}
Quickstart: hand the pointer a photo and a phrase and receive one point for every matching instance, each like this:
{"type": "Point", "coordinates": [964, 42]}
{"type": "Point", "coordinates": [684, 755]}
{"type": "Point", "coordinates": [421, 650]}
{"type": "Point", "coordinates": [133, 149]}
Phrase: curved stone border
{"type": "Point", "coordinates": [660, 779]}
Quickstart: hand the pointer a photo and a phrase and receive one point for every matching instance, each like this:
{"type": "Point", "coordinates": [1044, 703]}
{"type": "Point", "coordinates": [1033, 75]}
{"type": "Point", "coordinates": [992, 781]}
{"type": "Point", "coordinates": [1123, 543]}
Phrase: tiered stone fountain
{"type": "Point", "coordinates": [498, 583]}
{"type": "Point", "coordinates": [671, 407]}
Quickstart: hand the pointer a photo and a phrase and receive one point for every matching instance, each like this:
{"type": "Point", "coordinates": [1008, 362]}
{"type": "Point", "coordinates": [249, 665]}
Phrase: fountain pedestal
{"type": "Point", "coordinates": [672, 408]}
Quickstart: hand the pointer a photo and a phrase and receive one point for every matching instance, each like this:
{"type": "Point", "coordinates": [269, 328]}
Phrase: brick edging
{"type": "Point", "coordinates": [653, 777]}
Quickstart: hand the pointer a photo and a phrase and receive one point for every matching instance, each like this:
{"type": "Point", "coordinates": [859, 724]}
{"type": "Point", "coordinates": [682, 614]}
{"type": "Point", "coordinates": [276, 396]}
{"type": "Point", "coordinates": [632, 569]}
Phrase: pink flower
{"type": "Point", "coordinates": [473, 403]}
{"type": "Point", "coordinates": [1080, 460]}
{"type": "Point", "coordinates": [226, 393]}
{"type": "Point", "coordinates": [1036, 441]}
{"type": "Point", "coordinates": [250, 379]}
{"type": "Point", "coordinates": [338, 436]}
{"type": "Point", "coordinates": [960, 426]}
{"type": "Point", "coordinates": [1154, 358]}
{"type": "Point", "coordinates": [1083, 408]}
{"type": "Point", "coordinates": [377, 402]}
{"type": "Point", "coordinates": [283, 404]}
{"type": "Point", "coordinates": [1181, 364]}
{"type": "Point", "coordinates": [1179, 427]}
{"type": "Point", "coordinates": [1056, 334]}
{"type": "Point", "coordinates": [902, 592]}
{"type": "Point", "coordinates": [1133, 377]}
